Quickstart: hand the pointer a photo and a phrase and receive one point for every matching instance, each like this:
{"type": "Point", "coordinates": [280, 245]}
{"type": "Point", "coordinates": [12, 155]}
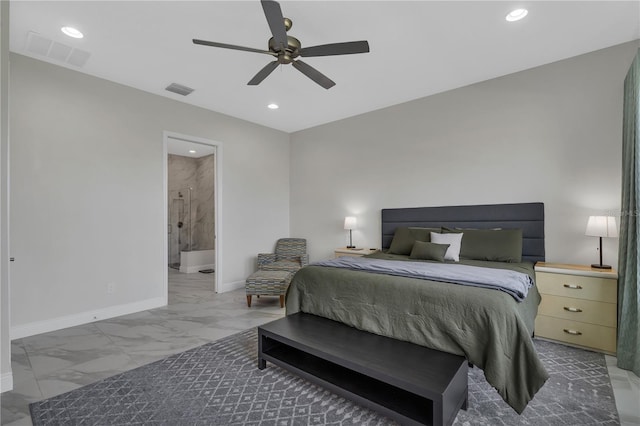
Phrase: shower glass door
{"type": "Point", "coordinates": [179, 225]}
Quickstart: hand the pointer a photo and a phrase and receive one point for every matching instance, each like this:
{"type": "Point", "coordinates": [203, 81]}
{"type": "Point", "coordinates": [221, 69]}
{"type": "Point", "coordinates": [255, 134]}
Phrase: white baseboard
{"type": "Point", "coordinates": [225, 287]}
{"type": "Point", "coordinates": [197, 268]}
{"type": "Point", "coordinates": [59, 323]}
{"type": "Point", "coordinates": [6, 382]}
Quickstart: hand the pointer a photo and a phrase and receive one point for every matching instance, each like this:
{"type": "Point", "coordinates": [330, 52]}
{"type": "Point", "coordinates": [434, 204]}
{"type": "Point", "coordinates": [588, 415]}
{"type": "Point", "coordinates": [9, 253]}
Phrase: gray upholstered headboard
{"type": "Point", "coordinates": [526, 216]}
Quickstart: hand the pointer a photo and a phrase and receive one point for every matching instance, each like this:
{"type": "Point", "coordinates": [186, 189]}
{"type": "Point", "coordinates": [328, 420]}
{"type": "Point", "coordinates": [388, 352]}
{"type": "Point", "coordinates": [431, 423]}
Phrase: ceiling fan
{"type": "Point", "coordinates": [286, 48]}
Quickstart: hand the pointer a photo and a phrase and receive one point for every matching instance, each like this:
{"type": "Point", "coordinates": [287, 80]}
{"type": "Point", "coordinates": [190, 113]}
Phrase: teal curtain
{"type": "Point", "coordinates": [629, 257]}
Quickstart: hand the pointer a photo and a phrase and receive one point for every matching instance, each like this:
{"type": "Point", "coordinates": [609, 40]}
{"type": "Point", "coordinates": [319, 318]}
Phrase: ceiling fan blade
{"type": "Point", "coordinates": [230, 46]}
{"type": "Point", "coordinates": [313, 74]}
{"type": "Point", "coordinates": [347, 48]}
{"type": "Point", "coordinates": [273, 13]}
{"type": "Point", "coordinates": [263, 73]}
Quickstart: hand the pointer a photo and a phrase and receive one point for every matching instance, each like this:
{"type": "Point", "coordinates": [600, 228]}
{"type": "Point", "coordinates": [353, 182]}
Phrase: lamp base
{"type": "Point", "coordinates": [600, 266]}
{"type": "Point", "coordinates": [351, 246]}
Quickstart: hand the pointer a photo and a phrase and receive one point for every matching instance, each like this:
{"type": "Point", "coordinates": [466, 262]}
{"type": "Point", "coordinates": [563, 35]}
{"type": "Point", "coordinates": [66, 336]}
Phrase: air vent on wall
{"type": "Point", "coordinates": [179, 89]}
{"type": "Point", "coordinates": [43, 46]}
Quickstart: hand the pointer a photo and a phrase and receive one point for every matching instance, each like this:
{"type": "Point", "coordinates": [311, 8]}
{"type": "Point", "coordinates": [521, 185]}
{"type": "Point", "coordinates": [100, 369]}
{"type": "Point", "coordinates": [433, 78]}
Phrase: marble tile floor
{"type": "Point", "coordinates": [52, 363]}
{"type": "Point", "coordinates": [626, 389]}
{"type": "Point", "coordinates": [49, 364]}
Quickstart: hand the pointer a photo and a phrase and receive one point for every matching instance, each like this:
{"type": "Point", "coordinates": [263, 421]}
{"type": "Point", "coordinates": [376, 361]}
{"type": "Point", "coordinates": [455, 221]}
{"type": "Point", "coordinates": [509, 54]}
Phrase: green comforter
{"type": "Point", "coordinates": [487, 326]}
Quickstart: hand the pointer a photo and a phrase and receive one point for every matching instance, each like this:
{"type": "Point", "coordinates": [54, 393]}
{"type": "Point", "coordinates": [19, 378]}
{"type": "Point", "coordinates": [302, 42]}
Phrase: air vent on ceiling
{"type": "Point", "coordinates": [43, 46]}
{"type": "Point", "coordinates": [179, 89]}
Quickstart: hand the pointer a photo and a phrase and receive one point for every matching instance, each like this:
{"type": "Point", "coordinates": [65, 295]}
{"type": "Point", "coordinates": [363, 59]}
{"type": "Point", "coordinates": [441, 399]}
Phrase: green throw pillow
{"type": "Point", "coordinates": [428, 251]}
{"type": "Point", "coordinates": [404, 237]}
{"type": "Point", "coordinates": [497, 245]}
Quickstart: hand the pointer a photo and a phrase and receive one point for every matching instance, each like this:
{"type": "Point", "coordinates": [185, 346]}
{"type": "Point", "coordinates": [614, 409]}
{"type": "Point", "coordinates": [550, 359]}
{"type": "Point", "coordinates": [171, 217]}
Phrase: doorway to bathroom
{"type": "Point", "coordinates": [191, 187]}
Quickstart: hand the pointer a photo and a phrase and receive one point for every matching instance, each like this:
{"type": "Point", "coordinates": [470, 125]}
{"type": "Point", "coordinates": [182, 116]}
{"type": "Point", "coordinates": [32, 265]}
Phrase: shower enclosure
{"type": "Point", "coordinates": [191, 213]}
{"type": "Point", "coordinates": [180, 238]}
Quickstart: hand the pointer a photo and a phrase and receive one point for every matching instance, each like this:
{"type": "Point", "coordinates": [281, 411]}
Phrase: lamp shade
{"type": "Point", "coordinates": [350, 222]}
{"type": "Point", "coordinates": [601, 226]}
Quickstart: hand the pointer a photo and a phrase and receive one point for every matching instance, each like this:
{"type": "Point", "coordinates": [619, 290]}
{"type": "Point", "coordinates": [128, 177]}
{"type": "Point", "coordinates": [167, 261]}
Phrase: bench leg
{"type": "Point", "coordinates": [282, 300]}
{"type": "Point", "coordinates": [262, 341]}
{"type": "Point", "coordinates": [248, 300]}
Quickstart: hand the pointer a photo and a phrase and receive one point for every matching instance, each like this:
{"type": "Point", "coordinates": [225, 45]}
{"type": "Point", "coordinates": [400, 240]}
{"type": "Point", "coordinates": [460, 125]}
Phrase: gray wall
{"type": "Point", "coordinates": [88, 197]}
{"type": "Point", "coordinates": [6, 378]}
{"type": "Point", "coordinates": [550, 134]}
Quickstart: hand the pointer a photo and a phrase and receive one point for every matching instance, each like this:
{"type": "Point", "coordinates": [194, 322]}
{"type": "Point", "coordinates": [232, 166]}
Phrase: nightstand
{"type": "Point", "coordinates": [339, 252]}
{"type": "Point", "coordinates": [579, 305]}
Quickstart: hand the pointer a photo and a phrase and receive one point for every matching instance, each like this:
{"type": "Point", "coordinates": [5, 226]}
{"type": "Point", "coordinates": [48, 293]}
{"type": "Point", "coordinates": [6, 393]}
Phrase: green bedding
{"type": "Point", "coordinates": [487, 326]}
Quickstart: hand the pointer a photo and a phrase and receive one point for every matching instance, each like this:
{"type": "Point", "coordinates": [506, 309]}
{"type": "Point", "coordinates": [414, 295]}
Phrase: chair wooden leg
{"type": "Point", "coordinates": [248, 300]}
{"type": "Point", "coordinates": [282, 300]}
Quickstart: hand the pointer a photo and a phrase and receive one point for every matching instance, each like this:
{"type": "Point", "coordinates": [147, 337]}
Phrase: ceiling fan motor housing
{"type": "Point", "coordinates": [289, 53]}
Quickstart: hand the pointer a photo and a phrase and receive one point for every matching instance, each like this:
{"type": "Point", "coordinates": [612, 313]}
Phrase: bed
{"type": "Point", "coordinates": [489, 327]}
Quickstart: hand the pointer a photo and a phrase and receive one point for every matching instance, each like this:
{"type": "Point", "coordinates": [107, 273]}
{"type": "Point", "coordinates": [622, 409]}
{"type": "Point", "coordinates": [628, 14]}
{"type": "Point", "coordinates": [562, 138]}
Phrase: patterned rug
{"type": "Point", "coordinates": [220, 384]}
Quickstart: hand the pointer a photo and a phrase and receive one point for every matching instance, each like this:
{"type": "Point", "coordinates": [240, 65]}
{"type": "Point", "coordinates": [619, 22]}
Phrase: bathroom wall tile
{"type": "Point", "coordinates": [197, 174]}
{"type": "Point", "coordinates": [204, 224]}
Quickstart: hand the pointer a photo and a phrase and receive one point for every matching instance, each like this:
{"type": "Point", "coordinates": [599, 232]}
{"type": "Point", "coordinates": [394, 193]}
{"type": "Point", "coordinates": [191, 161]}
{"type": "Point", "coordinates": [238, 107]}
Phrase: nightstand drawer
{"type": "Point", "coordinates": [578, 287]}
{"type": "Point", "coordinates": [577, 333]}
{"type": "Point", "coordinates": [357, 252]}
{"type": "Point", "coordinates": [349, 254]}
{"type": "Point", "coordinates": [583, 310]}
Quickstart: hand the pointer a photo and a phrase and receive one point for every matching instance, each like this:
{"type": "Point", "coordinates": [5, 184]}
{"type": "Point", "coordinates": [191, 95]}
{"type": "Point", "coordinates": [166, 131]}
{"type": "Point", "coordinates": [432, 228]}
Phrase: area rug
{"type": "Point", "coordinates": [219, 384]}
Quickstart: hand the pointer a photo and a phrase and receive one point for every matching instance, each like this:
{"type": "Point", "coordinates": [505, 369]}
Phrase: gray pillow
{"type": "Point", "coordinates": [428, 251]}
{"type": "Point", "coordinates": [404, 237]}
{"type": "Point", "coordinates": [497, 245]}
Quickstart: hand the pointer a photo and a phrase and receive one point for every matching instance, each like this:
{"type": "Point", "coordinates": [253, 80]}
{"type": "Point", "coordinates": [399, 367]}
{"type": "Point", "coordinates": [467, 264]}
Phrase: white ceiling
{"type": "Point", "coordinates": [418, 48]}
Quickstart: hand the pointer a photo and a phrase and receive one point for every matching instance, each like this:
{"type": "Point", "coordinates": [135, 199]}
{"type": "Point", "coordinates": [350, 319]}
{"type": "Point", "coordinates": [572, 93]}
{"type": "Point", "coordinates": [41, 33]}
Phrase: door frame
{"type": "Point", "coordinates": [217, 201]}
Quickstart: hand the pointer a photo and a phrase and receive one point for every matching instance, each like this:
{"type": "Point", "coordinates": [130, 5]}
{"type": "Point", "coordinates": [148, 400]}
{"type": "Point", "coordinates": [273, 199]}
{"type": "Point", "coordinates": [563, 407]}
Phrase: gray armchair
{"type": "Point", "coordinates": [290, 255]}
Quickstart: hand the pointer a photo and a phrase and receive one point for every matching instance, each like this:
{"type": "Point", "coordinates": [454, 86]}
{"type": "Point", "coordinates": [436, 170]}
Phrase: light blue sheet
{"type": "Point", "coordinates": [514, 283]}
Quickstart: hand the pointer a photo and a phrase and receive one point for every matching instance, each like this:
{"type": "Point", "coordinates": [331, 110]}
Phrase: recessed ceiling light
{"type": "Point", "coordinates": [516, 15]}
{"type": "Point", "coordinates": [273, 106]}
{"type": "Point", "coordinates": [192, 151]}
{"type": "Point", "coordinates": [72, 32]}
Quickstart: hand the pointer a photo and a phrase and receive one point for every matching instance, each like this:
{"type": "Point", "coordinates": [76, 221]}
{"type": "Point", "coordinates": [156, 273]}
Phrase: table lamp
{"type": "Point", "coordinates": [601, 226]}
{"type": "Point", "coordinates": [350, 224]}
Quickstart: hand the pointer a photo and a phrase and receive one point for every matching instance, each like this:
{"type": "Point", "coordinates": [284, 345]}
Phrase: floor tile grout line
{"type": "Point", "coordinates": [26, 352]}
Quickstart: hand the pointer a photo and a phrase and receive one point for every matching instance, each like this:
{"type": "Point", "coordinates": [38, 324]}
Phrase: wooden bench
{"type": "Point", "coordinates": [406, 382]}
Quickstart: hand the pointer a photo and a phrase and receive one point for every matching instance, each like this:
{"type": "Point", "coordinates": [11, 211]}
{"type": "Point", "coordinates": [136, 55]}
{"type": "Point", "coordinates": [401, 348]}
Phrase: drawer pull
{"type": "Point", "coordinates": [573, 332]}
{"type": "Point", "coordinates": [573, 286]}
{"type": "Point", "coordinates": [572, 309]}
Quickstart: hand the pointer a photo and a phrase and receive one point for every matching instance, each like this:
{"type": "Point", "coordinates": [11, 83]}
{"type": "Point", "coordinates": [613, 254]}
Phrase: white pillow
{"type": "Point", "coordinates": [454, 240]}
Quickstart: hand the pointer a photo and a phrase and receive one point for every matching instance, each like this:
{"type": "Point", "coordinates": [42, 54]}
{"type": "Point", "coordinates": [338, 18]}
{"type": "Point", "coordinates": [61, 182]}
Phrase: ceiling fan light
{"type": "Point", "coordinates": [516, 15]}
{"type": "Point", "coordinates": [72, 32]}
{"type": "Point", "coordinates": [273, 106]}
